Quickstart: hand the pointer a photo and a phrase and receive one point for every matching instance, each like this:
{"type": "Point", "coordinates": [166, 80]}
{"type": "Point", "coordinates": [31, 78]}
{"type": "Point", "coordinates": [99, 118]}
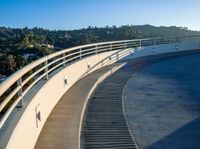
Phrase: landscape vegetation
{"type": "Point", "coordinates": [21, 46]}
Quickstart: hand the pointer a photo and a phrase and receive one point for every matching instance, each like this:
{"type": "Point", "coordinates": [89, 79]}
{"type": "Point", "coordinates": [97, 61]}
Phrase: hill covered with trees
{"type": "Point", "coordinates": [18, 47]}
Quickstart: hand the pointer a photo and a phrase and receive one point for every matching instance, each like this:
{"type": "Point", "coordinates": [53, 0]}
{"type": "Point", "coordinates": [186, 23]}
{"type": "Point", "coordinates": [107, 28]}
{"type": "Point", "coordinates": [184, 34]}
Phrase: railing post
{"type": "Point", "coordinates": [111, 47]}
{"type": "Point", "coordinates": [19, 93]}
{"type": "Point", "coordinates": [154, 41]}
{"type": "Point", "coordinates": [117, 56]}
{"type": "Point", "coordinates": [183, 39]}
{"type": "Point", "coordinates": [176, 47]}
{"type": "Point", "coordinates": [178, 40]}
{"type": "Point", "coordinates": [140, 43]}
{"type": "Point", "coordinates": [64, 60]}
{"type": "Point", "coordinates": [96, 49]}
{"type": "Point", "coordinates": [125, 46]}
{"type": "Point", "coordinates": [80, 52]}
{"type": "Point", "coordinates": [46, 70]}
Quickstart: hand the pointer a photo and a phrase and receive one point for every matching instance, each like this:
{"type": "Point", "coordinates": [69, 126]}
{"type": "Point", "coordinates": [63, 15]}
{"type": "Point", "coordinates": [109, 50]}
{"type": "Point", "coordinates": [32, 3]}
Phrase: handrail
{"type": "Point", "coordinates": [15, 86]}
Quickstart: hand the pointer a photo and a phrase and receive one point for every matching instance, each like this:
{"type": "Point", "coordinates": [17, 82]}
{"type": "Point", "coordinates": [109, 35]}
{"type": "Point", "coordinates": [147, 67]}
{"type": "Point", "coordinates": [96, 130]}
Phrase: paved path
{"type": "Point", "coordinates": [105, 125]}
{"type": "Point", "coordinates": [61, 130]}
{"type": "Point", "coordinates": [163, 104]}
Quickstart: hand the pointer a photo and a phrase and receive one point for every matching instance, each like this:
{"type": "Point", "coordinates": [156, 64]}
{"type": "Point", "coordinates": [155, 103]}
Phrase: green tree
{"type": "Point", "coordinates": [21, 61]}
{"type": "Point", "coordinates": [45, 51]}
{"type": "Point", "coordinates": [9, 65]}
{"type": "Point", "coordinates": [25, 41]}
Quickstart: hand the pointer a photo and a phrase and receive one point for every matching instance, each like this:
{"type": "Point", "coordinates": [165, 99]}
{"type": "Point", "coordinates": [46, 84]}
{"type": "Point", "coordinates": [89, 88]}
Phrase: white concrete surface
{"type": "Point", "coordinates": [161, 49]}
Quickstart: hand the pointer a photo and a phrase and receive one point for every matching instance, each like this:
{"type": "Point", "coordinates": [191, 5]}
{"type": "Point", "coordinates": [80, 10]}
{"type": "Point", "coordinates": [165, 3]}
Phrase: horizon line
{"type": "Point", "coordinates": [93, 26]}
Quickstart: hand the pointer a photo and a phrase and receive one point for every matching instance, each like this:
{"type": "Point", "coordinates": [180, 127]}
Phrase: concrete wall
{"type": "Point", "coordinates": [160, 49]}
{"type": "Point", "coordinates": [28, 128]}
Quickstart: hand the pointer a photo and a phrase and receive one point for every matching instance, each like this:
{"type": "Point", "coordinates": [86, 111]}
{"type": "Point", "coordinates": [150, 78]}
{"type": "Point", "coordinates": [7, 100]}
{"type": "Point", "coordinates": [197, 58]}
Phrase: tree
{"type": "Point", "coordinates": [25, 41]}
{"type": "Point", "coordinates": [45, 51]}
{"type": "Point", "coordinates": [9, 65]}
{"type": "Point", "coordinates": [21, 61]}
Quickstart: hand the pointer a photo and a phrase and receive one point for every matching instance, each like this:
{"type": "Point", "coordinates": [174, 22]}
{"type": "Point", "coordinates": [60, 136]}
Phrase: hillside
{"type": "Point", "coordinates": [18, 47]}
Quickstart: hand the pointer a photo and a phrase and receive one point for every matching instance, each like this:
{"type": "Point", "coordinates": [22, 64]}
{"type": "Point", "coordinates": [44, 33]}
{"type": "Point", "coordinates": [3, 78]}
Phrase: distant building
{"type": "Point", "coordinates": [109, 32]}
{"type": "Point", "coordinates": [30, 46]}
{"type": "Point", "coordinates": [29, 55]}
{"type": "Point", "coordinates": [46, 44]}
{"type": "Point", "coordinates": [50, 46]}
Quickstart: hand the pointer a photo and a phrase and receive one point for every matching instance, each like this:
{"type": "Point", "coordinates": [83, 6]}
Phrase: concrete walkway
{"type": "Point", "coordinates": [61, 130]}
{"type": "Point", "coordinates": [105, 125]}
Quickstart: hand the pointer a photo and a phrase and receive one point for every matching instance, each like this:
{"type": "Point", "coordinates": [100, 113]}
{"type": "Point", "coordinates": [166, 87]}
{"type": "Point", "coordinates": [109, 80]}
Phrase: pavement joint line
{"type": "Point", "coordinates": [124, 111]}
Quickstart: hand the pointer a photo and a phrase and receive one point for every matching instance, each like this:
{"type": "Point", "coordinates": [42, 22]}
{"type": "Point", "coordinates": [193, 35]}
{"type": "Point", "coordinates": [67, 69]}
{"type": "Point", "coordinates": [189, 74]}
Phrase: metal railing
{"type": "Point", "coordinates": [13, 89]}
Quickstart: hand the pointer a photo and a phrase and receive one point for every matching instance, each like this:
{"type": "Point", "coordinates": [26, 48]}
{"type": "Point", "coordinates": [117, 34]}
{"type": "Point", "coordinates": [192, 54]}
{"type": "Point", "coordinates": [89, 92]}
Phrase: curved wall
{"type": "Point", "coordinates": [161, 49]}
{"type": "Point", "coordinates": [28, 128]}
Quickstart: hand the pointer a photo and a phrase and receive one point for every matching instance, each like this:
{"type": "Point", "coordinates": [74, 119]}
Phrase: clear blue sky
{"type": "Point", "coordinates": [72, 14]}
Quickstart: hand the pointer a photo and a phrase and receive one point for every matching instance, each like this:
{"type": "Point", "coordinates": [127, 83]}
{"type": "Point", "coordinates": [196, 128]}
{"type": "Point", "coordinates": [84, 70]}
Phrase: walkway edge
{"type": "Point", "coordinates": [124, 112]}
{"type": "Point", "coordinates": [98, 81]}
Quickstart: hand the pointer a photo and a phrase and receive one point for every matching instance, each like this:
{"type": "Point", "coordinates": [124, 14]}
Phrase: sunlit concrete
{"type": "Point", "coordinates": [61, 129]}
{"type": "Point", "coordinates": [27, 128]}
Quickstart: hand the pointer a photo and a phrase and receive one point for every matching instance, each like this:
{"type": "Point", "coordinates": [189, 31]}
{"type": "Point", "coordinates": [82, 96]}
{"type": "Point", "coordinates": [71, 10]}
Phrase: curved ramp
{"type": "Point", "coordinates": [61, 130]}
{"type": "Point", "coordinates": [105, 124]}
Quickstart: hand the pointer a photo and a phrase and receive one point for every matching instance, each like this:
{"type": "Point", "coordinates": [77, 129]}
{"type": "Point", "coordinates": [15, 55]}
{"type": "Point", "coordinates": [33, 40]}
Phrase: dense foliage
{"type": "Point", "coordinates": [18, 47]}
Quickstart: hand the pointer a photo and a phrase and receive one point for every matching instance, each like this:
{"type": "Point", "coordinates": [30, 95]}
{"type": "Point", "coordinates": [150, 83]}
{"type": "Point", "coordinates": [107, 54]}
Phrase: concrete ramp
{"type": "Point", "coordinates": [105, 124]}
{"type": "Point", "coordinates": [61, 130]}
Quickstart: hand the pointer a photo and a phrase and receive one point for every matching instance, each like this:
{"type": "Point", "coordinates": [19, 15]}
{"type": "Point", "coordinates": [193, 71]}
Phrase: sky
{"type": "Point", "coordinates": [75, 14]}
